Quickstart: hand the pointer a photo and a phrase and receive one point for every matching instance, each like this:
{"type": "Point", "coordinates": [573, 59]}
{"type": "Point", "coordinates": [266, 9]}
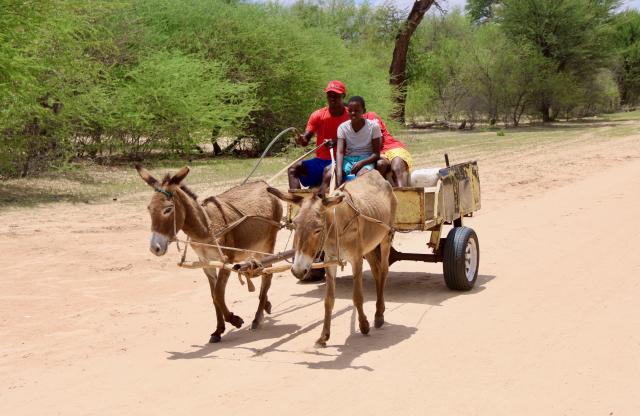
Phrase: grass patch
{"type": "Point", "coordinates": [626, 116]}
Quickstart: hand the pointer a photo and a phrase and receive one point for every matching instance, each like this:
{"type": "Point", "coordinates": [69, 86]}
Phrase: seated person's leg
{"type": "Point", "coordinates": [347, 165]}
{"type": "Point", "coordinates": [384, 167]}
{"type": "Point", "coordinates": [366, 168]}
{"type": "Point", "coordinates": [400, 172]}
{"type": "Point", "coordinates": [314, 172]}
{"type": "Point", "coordinates": [295, 171]}
{"type": "Point", "coordinates": [401, 163]}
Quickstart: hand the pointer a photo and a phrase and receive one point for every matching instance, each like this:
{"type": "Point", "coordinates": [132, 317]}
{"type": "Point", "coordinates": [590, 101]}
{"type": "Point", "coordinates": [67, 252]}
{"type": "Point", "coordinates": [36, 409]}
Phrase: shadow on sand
{"type": "Point", "coordinates": [402, 288]}
{"type": "Point", "coordinates": [357, 344]}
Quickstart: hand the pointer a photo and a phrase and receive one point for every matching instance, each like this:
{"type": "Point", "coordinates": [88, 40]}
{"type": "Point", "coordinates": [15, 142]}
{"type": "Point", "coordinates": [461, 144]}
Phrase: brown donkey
{"type": "Point", "coordinates": [357, 221]}
{"type": "Point", "coordinates": [174, 207]}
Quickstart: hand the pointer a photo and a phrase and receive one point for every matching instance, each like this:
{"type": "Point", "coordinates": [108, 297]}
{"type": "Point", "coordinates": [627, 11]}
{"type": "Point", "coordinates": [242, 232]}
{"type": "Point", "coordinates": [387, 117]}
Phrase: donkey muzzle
{"type": "Point", "coordinates": [301, 265]}
{"type": "Point", "coordinates": [158, 244]}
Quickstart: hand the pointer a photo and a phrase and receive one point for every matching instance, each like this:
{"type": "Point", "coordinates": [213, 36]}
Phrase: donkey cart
{"type": "Point", "coordinates": [445, 197]}
{"type": "Point", "coordinates": [448, 195]}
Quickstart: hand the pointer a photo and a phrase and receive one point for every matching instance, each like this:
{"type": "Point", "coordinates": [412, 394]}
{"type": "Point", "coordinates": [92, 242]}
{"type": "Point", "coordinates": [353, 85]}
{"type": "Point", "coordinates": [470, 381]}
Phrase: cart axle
{"type": "Point", "coordinates": [395, 255]}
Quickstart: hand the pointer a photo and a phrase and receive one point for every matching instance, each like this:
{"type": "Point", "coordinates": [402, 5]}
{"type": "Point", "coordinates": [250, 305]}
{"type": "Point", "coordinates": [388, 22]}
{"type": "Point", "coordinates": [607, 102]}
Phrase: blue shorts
{"type": "Point", "coordinates": [349, 161]}
{"type": "Point", "coordinates": [315, 168]}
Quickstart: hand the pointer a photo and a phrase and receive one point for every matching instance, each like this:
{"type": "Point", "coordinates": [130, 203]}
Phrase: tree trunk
{"type": "Point", "coordinates": [215, 132]}
{"type": "Point", "coordinates": [545, 109]}
{"type": "Point", "coordinates": [398, 68]}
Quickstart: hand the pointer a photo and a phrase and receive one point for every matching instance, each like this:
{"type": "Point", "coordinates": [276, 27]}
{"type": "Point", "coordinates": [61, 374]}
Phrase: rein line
{"type": "Point", "coordinates": [215, 236]}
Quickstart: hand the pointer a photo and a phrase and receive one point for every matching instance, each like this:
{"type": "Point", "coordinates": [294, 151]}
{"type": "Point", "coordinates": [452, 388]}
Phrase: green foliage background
{"type": "Point", "coordinates": [132, 79]}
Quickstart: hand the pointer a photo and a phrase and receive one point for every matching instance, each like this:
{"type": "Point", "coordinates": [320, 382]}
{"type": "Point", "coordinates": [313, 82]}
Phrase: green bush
{"type": "Point", "coordinates": [269, 47]}
{"type": "Point", "coordinates": [43, 70]}
{"type": "Point", "coordinates": [169, 102]}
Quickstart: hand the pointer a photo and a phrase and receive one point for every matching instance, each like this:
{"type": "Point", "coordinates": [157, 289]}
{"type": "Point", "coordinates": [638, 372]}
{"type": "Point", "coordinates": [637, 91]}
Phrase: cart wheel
{"type": "Point", "coordinates": [461, 258]}
{"type": "Point", "coordinates": [315, 275]}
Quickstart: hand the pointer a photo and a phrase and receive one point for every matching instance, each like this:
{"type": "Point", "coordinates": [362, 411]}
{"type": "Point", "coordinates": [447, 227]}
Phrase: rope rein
{"type": "Point", "coordinates": [216, 235]}
{"type": "Point", "coordinates": [357, 215]}
{"type": "Point", "coordinates": [294, 162]}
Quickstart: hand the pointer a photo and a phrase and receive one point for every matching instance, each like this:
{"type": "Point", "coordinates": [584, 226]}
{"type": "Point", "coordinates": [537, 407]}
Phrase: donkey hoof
{"type": "Point", "coordinates": [215, 338]}
{"type": "Point", "coordinates": [379, 321]}
{"type": "Point", "coordinates": [236, 321]}
{"type": "Point", "coordinates": [255, 324]}
{"type": "Point", "coordinates": [267, 307]}
{"type": "Point", "coordinates": [364, 327]}
{"type": "Point", "coordinates": [322, 341]}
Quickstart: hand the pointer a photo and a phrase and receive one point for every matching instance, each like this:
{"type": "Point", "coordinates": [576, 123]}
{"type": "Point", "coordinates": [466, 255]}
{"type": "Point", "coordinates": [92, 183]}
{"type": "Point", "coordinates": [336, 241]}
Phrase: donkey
{"type": "Point", "coordinates": [356, 221]}
{"type": "Point", "coordinates": [175, 207]}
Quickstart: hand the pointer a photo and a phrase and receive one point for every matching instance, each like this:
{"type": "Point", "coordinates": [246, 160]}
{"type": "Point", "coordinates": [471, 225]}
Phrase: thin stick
{"type": "Point", "coordinates": [276, 269]}
{"type": "Point", "coordinates": [205, 264]}
{"type": "Point", "coordinates": [256, 273]}
{"type": "Point", "coordinates": [265, 261]}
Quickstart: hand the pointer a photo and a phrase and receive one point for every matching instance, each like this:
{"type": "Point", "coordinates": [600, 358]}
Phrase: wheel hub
{"type": "Point", "coordinates": [471, 259]}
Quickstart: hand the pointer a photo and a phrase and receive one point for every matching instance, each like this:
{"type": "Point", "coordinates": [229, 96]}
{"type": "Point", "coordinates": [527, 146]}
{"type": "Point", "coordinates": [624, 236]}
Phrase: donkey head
{"type": "Point", "coordinates": [167, 213]}
{"type": "Point", "coordinates": [310, 227]}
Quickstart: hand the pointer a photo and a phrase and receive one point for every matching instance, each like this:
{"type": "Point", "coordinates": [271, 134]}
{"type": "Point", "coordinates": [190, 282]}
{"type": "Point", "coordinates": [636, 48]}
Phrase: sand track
{"type": "Point", "coordinates": [92, 323]}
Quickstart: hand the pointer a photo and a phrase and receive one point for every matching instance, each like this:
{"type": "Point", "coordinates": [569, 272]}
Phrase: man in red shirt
{"type": "Point", "coordinates": [394, 157]}
{"type": "Point", "coordinates": [324, 124]}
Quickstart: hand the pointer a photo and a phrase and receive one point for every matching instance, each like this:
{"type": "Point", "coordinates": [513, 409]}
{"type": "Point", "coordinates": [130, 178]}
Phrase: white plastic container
{"type": "Point", "coordinates": [425, 178]}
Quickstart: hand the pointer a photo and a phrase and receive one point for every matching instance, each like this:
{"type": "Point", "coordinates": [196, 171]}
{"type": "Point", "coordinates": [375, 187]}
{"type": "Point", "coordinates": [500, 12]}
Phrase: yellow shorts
{"type": "Point", "coordinates": [400, 152]}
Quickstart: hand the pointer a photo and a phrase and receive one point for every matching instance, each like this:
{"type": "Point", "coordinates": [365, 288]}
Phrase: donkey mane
{"type": "Point", "coordinates": [189, 192]}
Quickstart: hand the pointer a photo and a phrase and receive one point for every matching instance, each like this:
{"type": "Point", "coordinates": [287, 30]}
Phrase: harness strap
{"type": "Point", "coordinates": [349, 202]}
{"type": "Point", "coordinates": [166, 193]}
{"type": "Point", "coordinates": [213, 237]}
{"type": "Point", "coordinates": [239, 221]}
{"type": "Point", "coordinates": [228, 227]}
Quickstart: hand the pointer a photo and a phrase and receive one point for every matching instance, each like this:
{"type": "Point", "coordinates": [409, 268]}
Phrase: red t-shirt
{"type": "Point", "coordinates": [325, 126]}
{"type": "Point", "coordinates": [388, 141]}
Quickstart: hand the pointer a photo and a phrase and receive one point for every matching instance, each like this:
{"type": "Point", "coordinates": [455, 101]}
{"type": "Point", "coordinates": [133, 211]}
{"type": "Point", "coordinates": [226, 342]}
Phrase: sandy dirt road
{"type": "Point", "coordinates": [92, 323]}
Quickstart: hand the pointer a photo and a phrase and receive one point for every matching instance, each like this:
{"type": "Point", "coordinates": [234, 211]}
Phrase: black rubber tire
{"type": "Point", "coordinates": [453, 263]}
{"type": "Point", "coordinates": [315, 275]}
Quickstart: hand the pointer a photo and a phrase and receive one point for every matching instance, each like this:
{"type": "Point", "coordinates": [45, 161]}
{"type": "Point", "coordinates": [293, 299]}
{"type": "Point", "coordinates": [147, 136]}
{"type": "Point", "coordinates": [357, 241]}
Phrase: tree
{"type": "Point", "coordinates": [398, 68]}
{"type": "Point", "coordinates": [45, 75]}
{"type": "Point", "coordinates": [627, 43]}
{"type": "Point", "coordinates": [573, 35]}
{"type": "Point", "coordinates": [480, 10]}
{"type": "Point", "coordinates": [436, 66]}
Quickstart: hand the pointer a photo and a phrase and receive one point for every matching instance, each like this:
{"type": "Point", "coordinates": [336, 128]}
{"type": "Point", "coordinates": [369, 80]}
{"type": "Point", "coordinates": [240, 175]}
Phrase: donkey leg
{"type": "Point", "coordinates": [263, 303]}
{"type": "Point", "coordinates": [385, 248]}
{"type": "Point", "coordinates": [373, 258]}
{"type": "Point", "coordinates": [220, 327]}
{"type": "Point", "coordinates": [329, 300]}
{"type": "Point", "coordinates": [358, 297]}
{"type": "Point", "coordinates": [221, 284]}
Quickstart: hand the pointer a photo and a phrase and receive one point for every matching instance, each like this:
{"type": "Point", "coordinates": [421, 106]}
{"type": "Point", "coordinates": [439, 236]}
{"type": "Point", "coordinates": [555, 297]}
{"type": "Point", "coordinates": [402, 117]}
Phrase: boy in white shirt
{"type": "Point", "coordinates": [359, 142]}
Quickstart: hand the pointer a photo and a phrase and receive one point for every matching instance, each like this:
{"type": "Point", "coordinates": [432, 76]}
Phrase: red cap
{"type": "Point", "coordinates": [336, 86]}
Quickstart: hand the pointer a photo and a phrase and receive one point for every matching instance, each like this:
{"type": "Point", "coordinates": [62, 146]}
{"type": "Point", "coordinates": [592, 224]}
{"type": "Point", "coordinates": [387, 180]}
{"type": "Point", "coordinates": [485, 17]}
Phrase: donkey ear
{"type": "Point", "coordinates": [146, 176]}
{"type": "Point", "coordinates": [287, 197]}
{"type": "Point", "coordinates": [179, 177]}
{"type": "Point", "coordinates": [332, 201]}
